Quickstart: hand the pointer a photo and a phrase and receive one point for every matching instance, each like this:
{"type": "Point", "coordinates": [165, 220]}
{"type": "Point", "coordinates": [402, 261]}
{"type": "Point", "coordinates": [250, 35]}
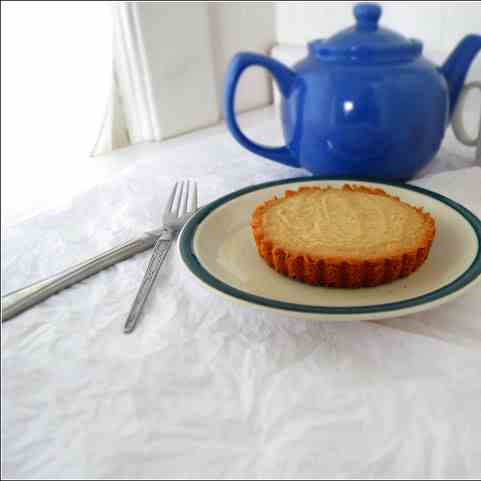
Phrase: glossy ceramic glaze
{"type": "Point", "coordinates": [363, 103]}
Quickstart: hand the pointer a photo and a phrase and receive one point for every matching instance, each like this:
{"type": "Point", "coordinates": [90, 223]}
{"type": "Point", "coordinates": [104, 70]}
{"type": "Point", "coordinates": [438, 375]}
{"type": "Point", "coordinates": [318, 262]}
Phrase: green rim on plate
{"type": "Point", "coordinates": [190, 259]}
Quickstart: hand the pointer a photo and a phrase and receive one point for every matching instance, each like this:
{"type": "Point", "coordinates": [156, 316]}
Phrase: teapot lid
{"type": "Point", "coordinates": [367, 42]}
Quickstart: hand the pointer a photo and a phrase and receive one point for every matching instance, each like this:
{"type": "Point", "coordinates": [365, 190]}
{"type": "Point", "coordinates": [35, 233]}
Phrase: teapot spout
{"type": "Point", "coordinates": [457, 65]}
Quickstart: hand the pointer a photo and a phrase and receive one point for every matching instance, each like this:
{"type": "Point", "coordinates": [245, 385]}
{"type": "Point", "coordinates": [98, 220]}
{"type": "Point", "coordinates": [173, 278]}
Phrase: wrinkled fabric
{"type": "Point", "coordinates": [206, 388]}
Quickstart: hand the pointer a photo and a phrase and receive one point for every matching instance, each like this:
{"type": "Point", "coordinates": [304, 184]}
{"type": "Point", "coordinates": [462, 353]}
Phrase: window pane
{"type": "Point", "coordinates": [56, 74]}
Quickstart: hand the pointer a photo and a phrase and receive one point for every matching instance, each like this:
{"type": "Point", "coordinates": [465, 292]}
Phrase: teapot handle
{"type": "Point", "coordinates": [458, 123]}
{"type": "Point", "coordinates": [285, 78]}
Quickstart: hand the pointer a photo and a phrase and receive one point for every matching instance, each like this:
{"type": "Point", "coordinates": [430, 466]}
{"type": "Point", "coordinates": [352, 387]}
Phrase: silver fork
{"type": "Point", "coordinates": [181, 204]}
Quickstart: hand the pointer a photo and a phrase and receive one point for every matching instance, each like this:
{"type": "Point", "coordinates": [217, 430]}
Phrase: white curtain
{"type": "Point", "coordinates": [169, 61]}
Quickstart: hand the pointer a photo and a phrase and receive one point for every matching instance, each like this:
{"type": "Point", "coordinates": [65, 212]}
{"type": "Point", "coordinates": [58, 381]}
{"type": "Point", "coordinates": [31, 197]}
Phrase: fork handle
{"type": "Point", "coordinates": [159, 254]}
{"type": "Point", "coordinates": [22, 299]}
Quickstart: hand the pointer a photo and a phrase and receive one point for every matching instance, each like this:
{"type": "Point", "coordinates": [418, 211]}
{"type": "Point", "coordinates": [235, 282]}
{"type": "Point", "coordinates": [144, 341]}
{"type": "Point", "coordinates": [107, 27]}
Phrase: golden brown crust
{"type": "Point", "coordinates": [340, 272]}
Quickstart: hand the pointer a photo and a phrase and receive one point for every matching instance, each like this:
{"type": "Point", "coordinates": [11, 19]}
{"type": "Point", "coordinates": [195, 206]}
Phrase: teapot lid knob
{"type": "Point", "coordinates": [367, 16]}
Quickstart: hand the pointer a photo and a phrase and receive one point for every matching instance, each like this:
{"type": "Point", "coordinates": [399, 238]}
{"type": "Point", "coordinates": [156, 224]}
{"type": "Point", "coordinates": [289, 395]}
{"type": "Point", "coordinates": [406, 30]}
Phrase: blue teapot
{"type": "Point", "coordinates": [363, 103]}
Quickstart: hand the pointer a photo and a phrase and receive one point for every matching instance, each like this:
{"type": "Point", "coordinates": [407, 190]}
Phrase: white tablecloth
{"type": "Point", "coordinates": [205, 388]}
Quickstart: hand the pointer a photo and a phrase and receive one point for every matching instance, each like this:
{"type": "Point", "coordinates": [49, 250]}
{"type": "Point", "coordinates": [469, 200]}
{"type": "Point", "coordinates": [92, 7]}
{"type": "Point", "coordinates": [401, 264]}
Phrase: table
{"type": "Point", "coordinates": [205, 388]}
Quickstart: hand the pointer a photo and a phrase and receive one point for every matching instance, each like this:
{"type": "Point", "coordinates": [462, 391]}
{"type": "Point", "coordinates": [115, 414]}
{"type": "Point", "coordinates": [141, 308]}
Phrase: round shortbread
{"type": "Point", "coordinates": [350, 237]}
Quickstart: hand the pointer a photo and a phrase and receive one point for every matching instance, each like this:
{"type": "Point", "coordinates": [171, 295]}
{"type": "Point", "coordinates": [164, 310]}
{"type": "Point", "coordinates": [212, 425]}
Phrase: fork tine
{"type": "Point", "coordinates": [171, 198]}
{"type": "Point", "coordinates": [185, 198]}
{"type": "Point", "coordinates": [194, 199]}
{"type": "Point", "coordinates": [179, 199]}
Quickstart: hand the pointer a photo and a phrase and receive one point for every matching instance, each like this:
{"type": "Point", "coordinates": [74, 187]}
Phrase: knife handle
{"type": "Point", "coordinates": [18, 301]}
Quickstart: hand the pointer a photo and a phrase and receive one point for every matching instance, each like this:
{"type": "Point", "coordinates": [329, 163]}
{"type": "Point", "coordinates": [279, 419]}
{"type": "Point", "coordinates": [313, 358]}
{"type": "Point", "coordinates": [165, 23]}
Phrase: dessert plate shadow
{"type": "Point", "coordinates": [217, 248]}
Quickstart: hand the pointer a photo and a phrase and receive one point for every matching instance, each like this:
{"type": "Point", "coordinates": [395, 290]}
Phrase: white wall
{"type": "Point", "coordinates": [239, 26]}
{"type": "Point", "coordinates": [188, 46]}
{"type": "Point", "coordinates": [180, 61]}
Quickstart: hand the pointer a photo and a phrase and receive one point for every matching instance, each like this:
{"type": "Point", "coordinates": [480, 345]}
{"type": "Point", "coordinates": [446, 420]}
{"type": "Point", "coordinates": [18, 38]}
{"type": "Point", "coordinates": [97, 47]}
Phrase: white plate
{"type": "Point", "coordinates": [217, 247]}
